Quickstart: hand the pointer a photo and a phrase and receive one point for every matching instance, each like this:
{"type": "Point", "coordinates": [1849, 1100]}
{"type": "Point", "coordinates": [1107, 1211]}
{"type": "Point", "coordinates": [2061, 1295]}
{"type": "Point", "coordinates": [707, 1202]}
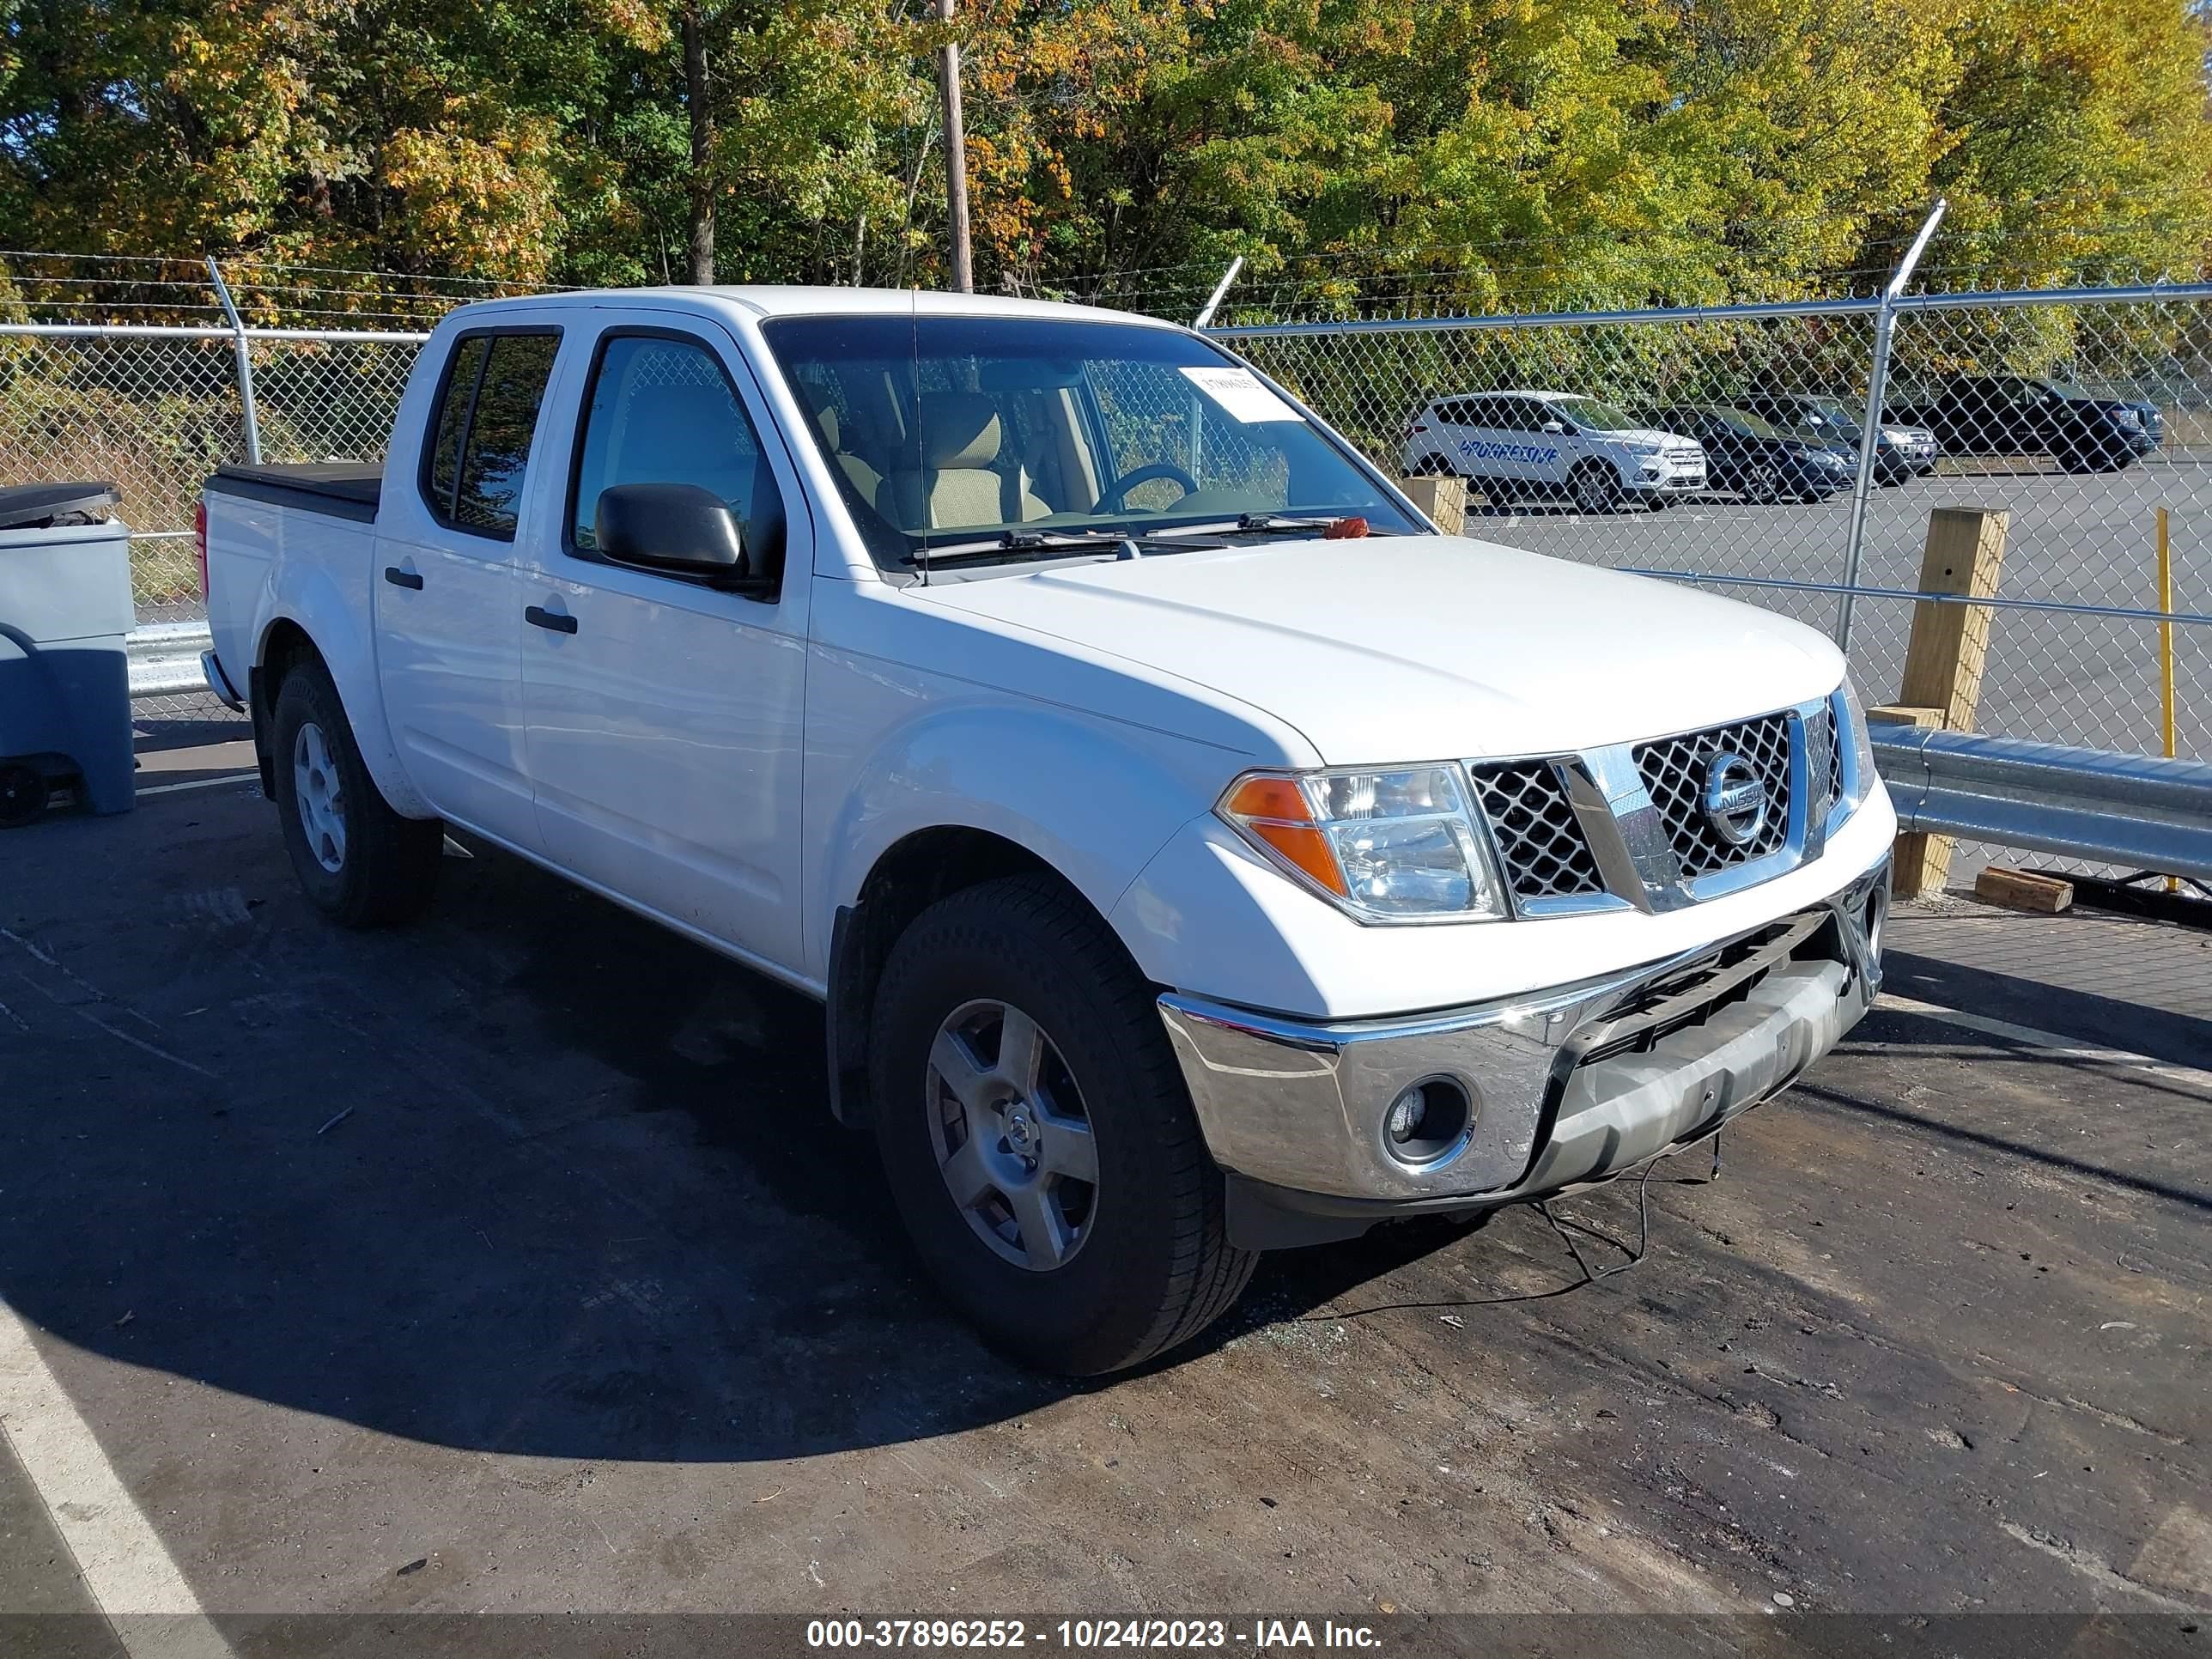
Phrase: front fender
{"type": "Point", "coordinates": [1091, 798]}
{"type": "Point", "coordinates": [312, 600]}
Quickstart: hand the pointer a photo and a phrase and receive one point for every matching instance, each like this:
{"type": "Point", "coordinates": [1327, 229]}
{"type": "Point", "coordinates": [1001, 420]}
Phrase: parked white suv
{"type": "Point", "coordinates": [1555, 445]}
{"type": "Point", "coordinates": [1197, 852]}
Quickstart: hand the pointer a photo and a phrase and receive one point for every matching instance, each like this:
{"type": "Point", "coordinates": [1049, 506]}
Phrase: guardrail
{"type": "Point", "coordinates": [165, 658]}
{"type": "Point", "coordinates": [2141, 811]}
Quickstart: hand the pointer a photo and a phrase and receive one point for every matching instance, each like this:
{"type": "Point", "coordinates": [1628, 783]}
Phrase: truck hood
{"type": "Point", "coordinates": [1423, 647]}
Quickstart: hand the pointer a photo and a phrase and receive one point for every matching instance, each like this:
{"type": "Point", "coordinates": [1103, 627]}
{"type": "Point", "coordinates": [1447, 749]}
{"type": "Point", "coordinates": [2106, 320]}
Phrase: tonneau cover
{"type": "Point", "coordinates": [344, 489]}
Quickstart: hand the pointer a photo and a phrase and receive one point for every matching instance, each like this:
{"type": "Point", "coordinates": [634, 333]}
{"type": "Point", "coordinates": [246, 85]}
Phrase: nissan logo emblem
{"type": "Point", "coordinates": [1735, 799]}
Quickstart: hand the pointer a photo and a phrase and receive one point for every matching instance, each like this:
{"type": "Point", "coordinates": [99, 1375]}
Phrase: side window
{"type": "Point", "coordinates": [453, 421]}
{"type": "Point", "coordinates": [497, 455]}
{"type": "Point", "coordinates": [662, 411]}
{"type": "Point", "coordinates": [480, 448]}
{"type": "Point", "coordinates": [1477, 411]}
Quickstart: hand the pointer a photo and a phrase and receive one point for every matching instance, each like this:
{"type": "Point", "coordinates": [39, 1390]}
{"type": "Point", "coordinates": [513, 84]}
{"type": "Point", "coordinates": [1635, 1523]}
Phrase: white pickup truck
{"type": "Point", "coordinates": [1197, 852]}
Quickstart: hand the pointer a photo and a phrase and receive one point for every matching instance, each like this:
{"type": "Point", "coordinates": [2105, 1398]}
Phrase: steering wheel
{"type": "Point", "coordinates": [1111, 502]}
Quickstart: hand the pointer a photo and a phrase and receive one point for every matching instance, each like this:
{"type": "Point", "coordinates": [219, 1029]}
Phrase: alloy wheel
{"type": "Point", "coordinates": [320, 796]}
{"type": "Point", "coordinates": [1011, 1136]}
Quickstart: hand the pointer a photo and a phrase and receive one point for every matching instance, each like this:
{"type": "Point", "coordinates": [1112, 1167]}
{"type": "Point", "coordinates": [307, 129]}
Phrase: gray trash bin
{"type": "Point", "coordinates": [65, 672]}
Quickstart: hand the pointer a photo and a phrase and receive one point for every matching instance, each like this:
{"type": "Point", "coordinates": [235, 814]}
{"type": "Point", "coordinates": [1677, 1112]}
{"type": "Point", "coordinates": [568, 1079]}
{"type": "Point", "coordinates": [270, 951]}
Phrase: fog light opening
{"type": "Point", "coordinates": [1427, 1120]}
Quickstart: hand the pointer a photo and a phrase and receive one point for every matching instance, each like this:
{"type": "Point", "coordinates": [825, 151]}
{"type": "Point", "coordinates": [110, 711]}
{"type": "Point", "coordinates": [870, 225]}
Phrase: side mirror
{"type": "Point", "coordinates": [1560, 427]}
{"type": "Point", "coordinates": [676, 527]}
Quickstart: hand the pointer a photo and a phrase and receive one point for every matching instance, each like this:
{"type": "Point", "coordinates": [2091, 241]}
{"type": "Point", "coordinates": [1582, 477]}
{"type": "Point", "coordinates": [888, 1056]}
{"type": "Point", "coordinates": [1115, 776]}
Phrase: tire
{"type": "Point", "coordinates": [360, 864]}
{"type": "Point", "coordinates": [1143, 1258]}
{"type": "Point", "coordinates": [1594, 487]}
{"type": "Point", "coordinates": [23, 795]}
{"type": "Point", "coordinates": [1762, 484]}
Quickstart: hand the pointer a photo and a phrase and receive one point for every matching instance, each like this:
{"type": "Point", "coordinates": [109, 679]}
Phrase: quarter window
{"type": "Point", "coordinates": [661, 410]}
{"type": "Point", "coordinates": [480, 450]}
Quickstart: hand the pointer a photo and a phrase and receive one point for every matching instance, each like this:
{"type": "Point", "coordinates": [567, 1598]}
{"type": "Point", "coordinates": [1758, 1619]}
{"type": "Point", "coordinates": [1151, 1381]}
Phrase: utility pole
{"type": "Point", "coordinates": [956, 157]}
{"type": "Point", "coordinates": [698, 94]}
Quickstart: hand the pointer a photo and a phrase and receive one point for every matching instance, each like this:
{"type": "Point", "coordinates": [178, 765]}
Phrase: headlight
{"type": "Point", "coordinates": [1852, 713]}
{"type": "Point", "coordinates": [1898, 435]}
{"type": "Point", "coordinates": [2127, 416]}
{"type": "Point", "coordinates": [1399, 845]}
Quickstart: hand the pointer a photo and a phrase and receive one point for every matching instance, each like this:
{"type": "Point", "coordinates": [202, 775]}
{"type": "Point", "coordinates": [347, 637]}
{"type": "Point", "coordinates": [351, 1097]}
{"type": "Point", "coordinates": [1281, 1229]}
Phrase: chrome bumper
{"type": "Point", "coordinates": [1566, 1086]}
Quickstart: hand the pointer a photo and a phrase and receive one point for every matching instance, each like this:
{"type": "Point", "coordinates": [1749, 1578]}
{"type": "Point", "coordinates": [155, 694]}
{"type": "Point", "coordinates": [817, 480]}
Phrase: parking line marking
{"type": "Point", "coordinates": [119, 1557]}
{"type": "Point", "coordinates": [2063, 1047]}
{"type": "Point", "coordinates": [198, 783]}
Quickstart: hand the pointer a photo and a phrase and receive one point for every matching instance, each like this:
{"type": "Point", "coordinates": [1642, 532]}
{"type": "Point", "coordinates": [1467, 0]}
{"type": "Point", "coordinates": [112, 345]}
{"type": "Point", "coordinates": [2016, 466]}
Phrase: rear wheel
{"type": "Point", "coordinates": [359, 862]}
{"type": "Point", "coordinates": [1037, 1136]}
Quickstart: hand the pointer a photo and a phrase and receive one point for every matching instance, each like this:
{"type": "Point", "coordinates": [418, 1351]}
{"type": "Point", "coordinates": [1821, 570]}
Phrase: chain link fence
{"type": "Point", "coordinates": [2079, 414]}
{"type": "Point", "coordinates": [156, 409]}
{"type": "Point", "coordinates": [1689, 442]}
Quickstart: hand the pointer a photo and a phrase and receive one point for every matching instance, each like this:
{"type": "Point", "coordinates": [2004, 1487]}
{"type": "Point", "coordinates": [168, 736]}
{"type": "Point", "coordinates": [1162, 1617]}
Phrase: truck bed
{"type": "Point", "coordinates": [338, 490]}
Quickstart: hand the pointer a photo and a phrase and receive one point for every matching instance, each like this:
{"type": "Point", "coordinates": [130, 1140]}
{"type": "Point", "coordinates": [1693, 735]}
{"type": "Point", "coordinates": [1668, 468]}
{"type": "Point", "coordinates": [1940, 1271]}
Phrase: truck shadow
{"type": "Point", "coordinates": [534, 1177]}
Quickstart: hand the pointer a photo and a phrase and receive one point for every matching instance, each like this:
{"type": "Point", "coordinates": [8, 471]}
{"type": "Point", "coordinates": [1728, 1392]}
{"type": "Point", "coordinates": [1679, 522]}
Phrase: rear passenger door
{"type": "Point", "coordinates": [1528, 452]}
{"type": "Point", "coordinates": [446, 586]}
{"type": "Point", "coordinates": [665, 714]}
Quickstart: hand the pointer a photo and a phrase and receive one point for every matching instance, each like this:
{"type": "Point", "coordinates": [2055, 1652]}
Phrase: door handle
{"type": "Point", "coordinates": [399, 578]}
{"type": "Point", "coordinates": [538, 617]}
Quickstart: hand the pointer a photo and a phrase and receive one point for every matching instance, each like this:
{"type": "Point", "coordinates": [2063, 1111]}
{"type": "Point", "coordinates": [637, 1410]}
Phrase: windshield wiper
{"type": "Point", "coordinates": [1053, 544]}
{"type": "Point", "coordinates": [1276, 524]}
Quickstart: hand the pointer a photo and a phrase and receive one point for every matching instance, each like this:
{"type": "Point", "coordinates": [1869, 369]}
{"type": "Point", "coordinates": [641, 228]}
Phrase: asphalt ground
{"type": "Point", "coordinates": [511, 1263]}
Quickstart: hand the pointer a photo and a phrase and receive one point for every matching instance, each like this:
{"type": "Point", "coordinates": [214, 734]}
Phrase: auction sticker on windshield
{"type": "Point", "coordinates": [1241, 395]}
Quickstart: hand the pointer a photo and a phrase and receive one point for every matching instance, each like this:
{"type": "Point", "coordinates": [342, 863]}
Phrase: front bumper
{"type": "Point", "coordinates": [1664, 475]}
{"type": "Point", "coordinates": [1565, 1087]}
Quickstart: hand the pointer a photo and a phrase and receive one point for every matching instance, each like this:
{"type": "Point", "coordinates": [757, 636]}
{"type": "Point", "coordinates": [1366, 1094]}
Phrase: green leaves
{"type": "Point", "coordinates": [1361, 154]}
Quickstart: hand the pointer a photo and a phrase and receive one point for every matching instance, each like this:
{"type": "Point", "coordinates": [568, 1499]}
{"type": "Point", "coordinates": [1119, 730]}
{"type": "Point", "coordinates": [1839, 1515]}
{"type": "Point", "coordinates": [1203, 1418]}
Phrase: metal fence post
{"type": "Point", "coordinates": [1885, 323]}
{"type": "Point", "coordinates": [244, 353]}
{"type": "Point", "coordinates": [1214, 300]}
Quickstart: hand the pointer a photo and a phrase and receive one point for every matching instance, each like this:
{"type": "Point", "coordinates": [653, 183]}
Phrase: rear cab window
{"type": "Point", "coordinates": [478, 460]}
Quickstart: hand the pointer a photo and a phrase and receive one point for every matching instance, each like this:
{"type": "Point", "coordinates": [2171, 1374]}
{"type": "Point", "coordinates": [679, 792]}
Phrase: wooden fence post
{"type": "Point", "coordinates": [1443, 499]}
{"type": "Point", "coordinates": [1943, 662]}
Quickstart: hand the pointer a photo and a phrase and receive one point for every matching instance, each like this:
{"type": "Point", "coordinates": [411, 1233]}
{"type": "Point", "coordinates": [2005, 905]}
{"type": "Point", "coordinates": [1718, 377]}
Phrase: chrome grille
{"type": "Point", "coordinates": [1824, 765]}
{"type": "Point", "coordinates": [1543, 846]}
{"type": "Point", "coordinates": [1673, 771]}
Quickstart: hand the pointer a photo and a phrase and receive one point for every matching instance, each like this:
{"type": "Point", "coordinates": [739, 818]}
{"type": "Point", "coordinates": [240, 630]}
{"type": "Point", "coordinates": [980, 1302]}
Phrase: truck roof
{"type": "Point", "coordinates": [766, 300]}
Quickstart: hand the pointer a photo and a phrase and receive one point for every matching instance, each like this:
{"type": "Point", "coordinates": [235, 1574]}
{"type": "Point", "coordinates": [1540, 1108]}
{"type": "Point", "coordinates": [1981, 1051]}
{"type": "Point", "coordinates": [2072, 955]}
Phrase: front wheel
{"type": "Point", "coordinates": [1762, 484]}
{"type": "Point", "coordinates": [1596, 488]}
{"type": "Point", "coordinates": [359, 862]}
{"type": "Point", "coordinates": [1037, 1136]}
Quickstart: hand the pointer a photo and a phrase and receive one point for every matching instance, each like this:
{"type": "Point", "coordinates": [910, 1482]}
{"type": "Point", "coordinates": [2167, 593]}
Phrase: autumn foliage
{"type": "Point", "coordinates": [1361, 152]}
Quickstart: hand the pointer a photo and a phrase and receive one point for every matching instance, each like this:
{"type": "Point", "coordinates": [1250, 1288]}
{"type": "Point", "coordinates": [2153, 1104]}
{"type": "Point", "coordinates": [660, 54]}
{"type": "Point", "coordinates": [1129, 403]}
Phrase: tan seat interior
{"type": "Point", "coordinates": [963, 479]}
{"type": "Point", "coordinates": [864, 478]}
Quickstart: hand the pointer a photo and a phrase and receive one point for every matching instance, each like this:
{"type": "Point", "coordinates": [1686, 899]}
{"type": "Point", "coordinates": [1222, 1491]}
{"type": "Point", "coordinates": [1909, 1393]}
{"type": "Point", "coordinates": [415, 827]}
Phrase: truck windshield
{"type": "Point", "coordinates": [948, 432]}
